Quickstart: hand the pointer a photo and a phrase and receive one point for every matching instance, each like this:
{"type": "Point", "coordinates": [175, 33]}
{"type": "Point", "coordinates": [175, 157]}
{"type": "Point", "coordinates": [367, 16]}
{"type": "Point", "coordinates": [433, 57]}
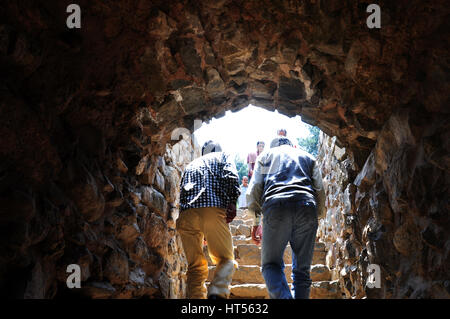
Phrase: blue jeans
{"type": "Point", "coordinates": [296, 224]}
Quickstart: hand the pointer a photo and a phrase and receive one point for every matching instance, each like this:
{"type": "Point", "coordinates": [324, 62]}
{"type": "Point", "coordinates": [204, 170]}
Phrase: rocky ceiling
{"type": "Point", "coordinates": [176, 61]}
{"type": "Point", "coordinates": [137, 69]}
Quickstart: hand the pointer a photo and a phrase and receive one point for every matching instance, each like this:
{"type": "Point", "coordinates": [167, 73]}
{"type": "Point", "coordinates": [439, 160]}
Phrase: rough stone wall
{"type": "Point", "coordinates": [122, 235]}
{"type": "Point", "coordinates": [86, 113]}
{"type": "Point", "coordinates": [379, 217]}
{"type": "Point", "coordinates": [335, 229]}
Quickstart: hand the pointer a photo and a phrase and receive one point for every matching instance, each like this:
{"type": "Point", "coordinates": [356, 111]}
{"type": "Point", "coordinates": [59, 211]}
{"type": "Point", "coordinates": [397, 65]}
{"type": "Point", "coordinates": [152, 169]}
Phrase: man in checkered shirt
{"type": "Point", "coordinates": [209, 191]}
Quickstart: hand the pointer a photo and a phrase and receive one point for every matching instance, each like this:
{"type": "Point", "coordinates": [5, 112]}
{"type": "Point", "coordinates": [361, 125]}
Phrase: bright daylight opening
{"type": "Point", "coordinates": [239, 132]}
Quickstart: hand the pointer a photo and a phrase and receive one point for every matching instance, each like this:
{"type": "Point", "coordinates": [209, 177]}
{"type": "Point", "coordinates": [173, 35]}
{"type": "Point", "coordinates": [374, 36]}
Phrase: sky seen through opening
{"type": "Point", "coordinates": [239, 132]}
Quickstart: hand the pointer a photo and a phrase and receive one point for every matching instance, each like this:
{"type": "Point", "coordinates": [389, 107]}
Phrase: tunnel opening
{"type": "Point", "coordinates": [239, 133]}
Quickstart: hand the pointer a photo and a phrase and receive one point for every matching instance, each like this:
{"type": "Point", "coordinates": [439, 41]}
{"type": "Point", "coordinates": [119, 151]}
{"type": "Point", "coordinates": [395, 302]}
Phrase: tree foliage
{"type": "Point", "coordinates": [241, 167]}
{"type": "Point", "coordinates": [310, 143]}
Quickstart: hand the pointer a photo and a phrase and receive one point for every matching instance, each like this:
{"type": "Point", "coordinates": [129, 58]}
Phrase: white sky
{"type": "Point", "coordinates": [238, 132]}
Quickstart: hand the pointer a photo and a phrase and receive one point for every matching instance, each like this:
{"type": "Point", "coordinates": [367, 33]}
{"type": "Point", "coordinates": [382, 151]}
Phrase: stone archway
{"type": "Point", "coordinates": [84, 110]}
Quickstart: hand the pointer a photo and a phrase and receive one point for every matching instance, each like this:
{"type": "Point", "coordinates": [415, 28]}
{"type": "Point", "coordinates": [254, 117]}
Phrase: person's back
{"type": "Point", "coordinates": [287, 173]}
{"type": "Point", "coordinates": [208, 181]}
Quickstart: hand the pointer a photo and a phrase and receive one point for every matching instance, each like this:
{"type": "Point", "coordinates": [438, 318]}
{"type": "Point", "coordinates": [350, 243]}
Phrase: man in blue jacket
{"type": "Point", "coordinates": [287, 190]}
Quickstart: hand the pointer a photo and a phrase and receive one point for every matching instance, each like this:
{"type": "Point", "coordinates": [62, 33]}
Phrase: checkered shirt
{"type": "Point", "coordinates": [209, 181]}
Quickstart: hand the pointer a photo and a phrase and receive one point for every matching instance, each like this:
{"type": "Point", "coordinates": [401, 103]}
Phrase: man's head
{"type": "Point", "coordinates": [210, 147]}
{"type": "Point", "coordinates": [260, 146]}
{"type": "Point", "coordinates": [282, 132]}
{"type": "Point", "coordinates": [245, 180]}
{"type": "Point", "coordinates": [280, 140]}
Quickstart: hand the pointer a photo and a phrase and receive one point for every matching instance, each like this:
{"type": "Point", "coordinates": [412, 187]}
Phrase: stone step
{"type": "Point", "coordinates": [244, 215]}
{"type": "Point", "coordinates": [325, 290]}
{"type": "Point", "coordinates": [241, 213]}
{"type": "Point", "coordinates": [241, 229]}
{"type": "Point", "coordinates": [257, 291]}
{"type": "Point", "coordinates": [319, 246]}
{"type": "Point", "coordinates": [320, 272]}
{"type": "Point", "coordinates": [236, 222]}
{"type": "Point", "coordinates": [319, 290]}
{"type": "Point", "coordinates": [319, 257]}
{"type": "Point", "coordinates": [248, 274]}
{"type": "Point", "coordinates": [252, 274]}
{"type": "Point", "coordinates": [240, 221]}
{"type": "Point", "coordinates": [250, 254]}
{"type": "Point", "coordinates": [241, 239]}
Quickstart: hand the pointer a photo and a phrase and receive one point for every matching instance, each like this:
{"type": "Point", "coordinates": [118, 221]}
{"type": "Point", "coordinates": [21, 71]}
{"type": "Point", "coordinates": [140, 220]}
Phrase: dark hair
{"type": "Point", "coordinates": [278, 141]}
{"type": "Point", "coordinates": [260, 142]}
{"type": "Point", "coordinates": [282, 130]}
{"type": "Point", "coordinates": [210, 147]}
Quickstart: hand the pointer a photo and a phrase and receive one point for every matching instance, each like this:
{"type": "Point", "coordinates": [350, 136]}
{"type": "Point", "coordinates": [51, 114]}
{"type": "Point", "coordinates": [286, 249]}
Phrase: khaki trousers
{"type": "Point", "coordinates": [207, 222]}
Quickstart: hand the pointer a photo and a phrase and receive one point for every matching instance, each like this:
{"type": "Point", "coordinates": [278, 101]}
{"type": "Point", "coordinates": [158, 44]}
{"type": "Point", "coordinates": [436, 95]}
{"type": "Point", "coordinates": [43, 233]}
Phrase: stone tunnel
{"type": "Point", "coordinates": [89, 170]}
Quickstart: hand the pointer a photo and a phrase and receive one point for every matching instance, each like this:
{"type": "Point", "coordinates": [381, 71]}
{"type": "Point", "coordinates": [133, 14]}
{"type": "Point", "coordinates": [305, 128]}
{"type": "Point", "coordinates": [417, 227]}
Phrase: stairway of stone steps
{"type": "Point", "coordinates": [248, 281]}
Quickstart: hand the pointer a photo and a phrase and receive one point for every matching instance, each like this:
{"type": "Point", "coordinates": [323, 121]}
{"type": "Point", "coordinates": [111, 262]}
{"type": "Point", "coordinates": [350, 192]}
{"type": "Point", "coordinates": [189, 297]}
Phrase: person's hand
{"type": "Point", "coordinates": [257, 234]}
{"type": "Point", "coordinates": [231, 213]}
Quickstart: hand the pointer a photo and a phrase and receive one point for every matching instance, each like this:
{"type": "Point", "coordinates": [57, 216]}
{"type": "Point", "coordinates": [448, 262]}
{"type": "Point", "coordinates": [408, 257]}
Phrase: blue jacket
{"type": "Point", "coordinates": [285, 174]}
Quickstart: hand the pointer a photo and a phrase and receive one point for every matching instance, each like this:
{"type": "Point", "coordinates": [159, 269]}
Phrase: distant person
{"type": "Point", "coordinates": [208, 195]}
{"type": "Point", "coordinates": [287, 190]}
{"type": "Point", "coordinates": [242, 200]}
{"type": "Point", "coordinates": [282, 132]}
{"type": "Point", "coordinates": [251, 158]}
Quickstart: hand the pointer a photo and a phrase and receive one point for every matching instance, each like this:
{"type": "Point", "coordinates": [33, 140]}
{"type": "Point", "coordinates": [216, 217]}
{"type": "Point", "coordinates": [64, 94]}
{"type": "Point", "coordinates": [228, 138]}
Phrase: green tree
{"type": "Point", "coordinates": [310, 143]}
{"type": "Point", "coordinates": [241, 167]}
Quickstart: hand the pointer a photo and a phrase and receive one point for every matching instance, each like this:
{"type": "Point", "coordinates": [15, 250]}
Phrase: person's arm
{"type": "Point", "coordinates": [182, 200]}
{"type": "Point", "coordinates": [320, 191]}
{"type": "Point", "coordinates": [254, 193]}
{"type": "Point", "coordinates": [232, 189]}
